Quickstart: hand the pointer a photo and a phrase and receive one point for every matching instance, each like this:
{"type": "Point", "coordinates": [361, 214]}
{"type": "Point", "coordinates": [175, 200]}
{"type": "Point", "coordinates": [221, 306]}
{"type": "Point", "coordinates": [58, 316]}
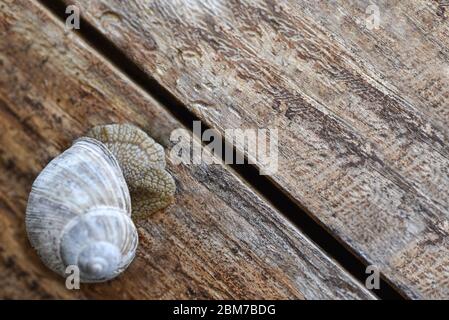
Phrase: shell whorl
{"type": "Point", "coordinates": [143, 163]}
{"type": "Point", "coordinates": [101, 243]}
{"type": "Point", "coordinates": [79, 211]}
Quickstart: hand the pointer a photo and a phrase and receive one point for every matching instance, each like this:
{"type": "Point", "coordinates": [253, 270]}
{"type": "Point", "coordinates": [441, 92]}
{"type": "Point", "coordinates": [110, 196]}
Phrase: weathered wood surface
{"type": "Point", "coordinates": [218, 240]}
{"type": "Point", "coordinates": [362, 113]}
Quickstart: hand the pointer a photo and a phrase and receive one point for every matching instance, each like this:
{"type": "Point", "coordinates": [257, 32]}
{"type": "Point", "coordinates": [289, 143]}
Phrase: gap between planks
{"type": "Point", "coordinates": [220, 240]}
{"type": "Point", "coordinates": [359, 149]}
{"type": "Point", "coordinates": [289, 207]}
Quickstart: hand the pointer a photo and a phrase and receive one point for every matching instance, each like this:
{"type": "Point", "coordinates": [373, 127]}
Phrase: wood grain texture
{"type": "Point", "coordinates": [362, 113]}
{"type": "Point", "coordinates": [218, 240]}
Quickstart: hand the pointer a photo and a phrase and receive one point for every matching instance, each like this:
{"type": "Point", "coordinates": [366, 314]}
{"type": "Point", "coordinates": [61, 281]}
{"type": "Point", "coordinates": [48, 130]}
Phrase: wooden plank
{"type": "Point", "coordinates": [218, 240]}
{"type": "Point", "coordinates": [361, 113]}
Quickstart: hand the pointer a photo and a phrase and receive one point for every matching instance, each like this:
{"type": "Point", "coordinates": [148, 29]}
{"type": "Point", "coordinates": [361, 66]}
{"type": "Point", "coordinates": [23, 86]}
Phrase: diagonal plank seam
{"type": "Point", "coordinates": [270, 190]}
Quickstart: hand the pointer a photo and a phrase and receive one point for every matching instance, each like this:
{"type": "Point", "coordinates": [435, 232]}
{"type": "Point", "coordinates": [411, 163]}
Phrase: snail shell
{"type": "Point", "coordinates": [143, 164]}
{"type": "Point", "coordinates": [79, 212]}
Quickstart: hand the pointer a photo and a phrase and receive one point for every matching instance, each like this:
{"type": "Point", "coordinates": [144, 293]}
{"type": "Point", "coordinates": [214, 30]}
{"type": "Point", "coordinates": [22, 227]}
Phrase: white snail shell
{"type": "Point", "coordinates": [79, 212]}
{"type": "Point", "coordinates": [79, 209]}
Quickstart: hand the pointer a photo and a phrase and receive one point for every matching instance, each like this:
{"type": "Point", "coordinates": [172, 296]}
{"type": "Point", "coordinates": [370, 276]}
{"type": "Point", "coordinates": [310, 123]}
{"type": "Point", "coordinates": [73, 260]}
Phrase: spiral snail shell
{"type": "Point", "coordinates": [79, 208]}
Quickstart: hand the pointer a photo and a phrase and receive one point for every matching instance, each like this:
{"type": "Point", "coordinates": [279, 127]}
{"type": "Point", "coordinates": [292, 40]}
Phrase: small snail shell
{"type": "Point", "coordinates": [143, 163]}
{"type": "Point", "coordinates": [79, 212]}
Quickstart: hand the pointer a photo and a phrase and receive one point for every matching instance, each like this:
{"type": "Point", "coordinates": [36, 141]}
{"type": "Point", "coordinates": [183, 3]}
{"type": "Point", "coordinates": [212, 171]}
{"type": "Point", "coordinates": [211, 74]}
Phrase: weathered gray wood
{"type": "Point", "coordinates": [362, 113]}
{"type": "Point", "coordinates": [218, 240]}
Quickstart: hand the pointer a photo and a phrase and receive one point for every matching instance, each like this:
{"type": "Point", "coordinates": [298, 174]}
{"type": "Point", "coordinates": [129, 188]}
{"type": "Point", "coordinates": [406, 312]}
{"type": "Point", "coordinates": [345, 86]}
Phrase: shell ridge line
{"type": "Point", "coordinates": [115, 171]}
{"type": "Point", "coordinates": [120, 201]}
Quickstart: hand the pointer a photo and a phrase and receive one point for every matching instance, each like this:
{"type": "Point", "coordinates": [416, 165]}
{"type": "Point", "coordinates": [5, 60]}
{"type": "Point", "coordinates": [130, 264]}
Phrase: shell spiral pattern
{"type": "Point", "coordinates": [79, 212]}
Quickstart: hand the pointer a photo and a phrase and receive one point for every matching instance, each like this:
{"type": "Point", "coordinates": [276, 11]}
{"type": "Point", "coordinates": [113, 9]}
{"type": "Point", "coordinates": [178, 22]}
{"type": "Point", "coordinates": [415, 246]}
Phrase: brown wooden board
{"type": "Point", "coordinates": [362, 113]}
{"type": "Point", "coordinates": [218, 240]}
